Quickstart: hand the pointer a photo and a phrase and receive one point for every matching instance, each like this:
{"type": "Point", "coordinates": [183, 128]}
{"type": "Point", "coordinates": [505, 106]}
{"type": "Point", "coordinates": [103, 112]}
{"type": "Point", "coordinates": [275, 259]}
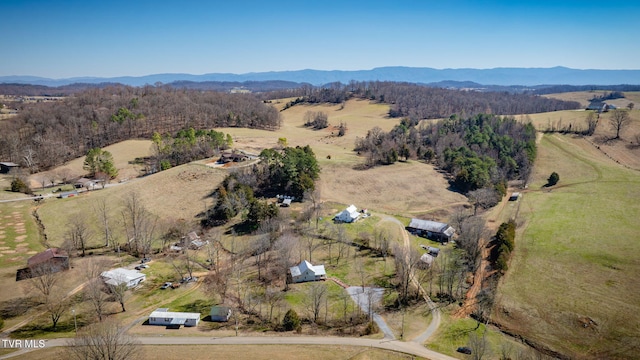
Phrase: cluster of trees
{"type": "Point", "coordinates": [187, 145]}
{"type": "Point", "coordinates": [608, 96]}
{"type": "Point", "coordinates": [316, 119]}
{"type": "Point", "coordinates": [480, 151]}
{"type": "Point", "coordinates": [421, 102]}
{"type": "Point", "coordinates": [290, 171]}
{"type": "Point", "coordinates": [47, 134]}
{"type": "Point", "coordinates": [504, 242]}
{"type": "Point", "coordinates": [100, 161]}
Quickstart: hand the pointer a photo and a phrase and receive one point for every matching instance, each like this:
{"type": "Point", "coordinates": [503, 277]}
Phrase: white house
{"type": "Point", "coordinates": [118, 276]}
{"type": "Point", "coordinates": [348, 215]}
{"type": "Point", "coordinates": [165, 317]}
{"type": "Point", "coordinates": [307, 272]}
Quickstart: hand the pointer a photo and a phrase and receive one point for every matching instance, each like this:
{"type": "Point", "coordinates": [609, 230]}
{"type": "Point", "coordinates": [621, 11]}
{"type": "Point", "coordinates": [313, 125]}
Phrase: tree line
{"type": "Point", "coordinates": [417, 102]}
{"type": "Point", "coordinates": [44, 135]}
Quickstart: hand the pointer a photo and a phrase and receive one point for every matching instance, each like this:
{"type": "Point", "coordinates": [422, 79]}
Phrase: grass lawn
{"type": "Point", "coordinates": [573, 283]}
{"type": "Point", "coordinates": [454, 333]}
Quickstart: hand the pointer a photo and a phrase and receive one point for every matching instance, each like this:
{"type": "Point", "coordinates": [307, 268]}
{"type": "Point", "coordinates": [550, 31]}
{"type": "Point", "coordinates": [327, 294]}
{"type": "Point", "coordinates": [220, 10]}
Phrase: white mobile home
{"type": "Point", "coordinates": [307, 272]}
{"type": "Point", "coordinates": [165, 317]}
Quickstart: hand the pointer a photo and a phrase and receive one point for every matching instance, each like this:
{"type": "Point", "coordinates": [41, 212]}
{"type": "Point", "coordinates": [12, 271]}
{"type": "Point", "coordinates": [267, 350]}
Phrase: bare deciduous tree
{"type": "Point", "coordinates": [104, 341]}
{"type": "Point", "coordinates": [78, 232]}
{"type": "Point", "coordinates": [97, 297]}
{"type": "Point", "coordinates": [101, 208]}
{"type": "Point", "coordinates": [619, 120]}
{"type": "Point", "coordinates": [316, 294]}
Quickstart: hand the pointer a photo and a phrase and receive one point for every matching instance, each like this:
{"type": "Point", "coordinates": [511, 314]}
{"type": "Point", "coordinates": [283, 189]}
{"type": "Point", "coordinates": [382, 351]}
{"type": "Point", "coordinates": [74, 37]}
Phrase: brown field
{"type": "Point", "coordinates": [625, 150]}
{"type": "Point", "coordinates": [244, 352]}
{"type": "Point", "coordinates": [583, 97]}
{"type": "Point", "coordinates": [123, 154]}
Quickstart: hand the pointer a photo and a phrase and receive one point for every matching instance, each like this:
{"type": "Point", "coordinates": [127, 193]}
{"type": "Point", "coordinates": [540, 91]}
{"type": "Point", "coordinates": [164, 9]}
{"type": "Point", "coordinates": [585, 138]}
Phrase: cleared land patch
{"type": "Point", "coordinates": [575, 255]}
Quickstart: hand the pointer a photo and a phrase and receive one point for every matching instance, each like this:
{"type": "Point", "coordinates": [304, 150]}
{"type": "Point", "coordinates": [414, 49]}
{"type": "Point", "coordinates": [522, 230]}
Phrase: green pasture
{"type": "Point", "coordinates": [576, 254]}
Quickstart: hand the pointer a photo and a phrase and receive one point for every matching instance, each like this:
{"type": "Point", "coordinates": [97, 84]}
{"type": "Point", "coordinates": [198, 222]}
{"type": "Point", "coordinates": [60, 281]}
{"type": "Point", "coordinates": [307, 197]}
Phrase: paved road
{"type": "Point", "coordinates": [361, 296]}
{"type": "Point", "coordinates": [405, 347]}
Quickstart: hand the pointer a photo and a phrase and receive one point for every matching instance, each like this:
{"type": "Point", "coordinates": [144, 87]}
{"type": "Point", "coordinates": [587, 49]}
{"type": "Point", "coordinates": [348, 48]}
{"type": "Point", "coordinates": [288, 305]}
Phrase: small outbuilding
{"type": "Point", "coordinates": [68, 194]}
{"type": "Point", "coordinates": [514, 196]}
{"type": "Point", "coordinates": [164, 317]}
{"type": "Point", "coordinates": [306, 271]}
{"type": "Point", "coordinates": [220, 313]}
{"type": "Point", "coordinates": [348, 215]}
{"type": "Point", "coordinates": [119, 276]}
{"type": "Point", "coordinates": [426, 260]}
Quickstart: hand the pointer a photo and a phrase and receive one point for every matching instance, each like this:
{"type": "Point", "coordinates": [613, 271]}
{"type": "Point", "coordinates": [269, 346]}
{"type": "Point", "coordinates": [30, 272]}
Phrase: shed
{"type": "Point", "coordinates": [286, 203]}
{"type": "Point", "coordinates": [427, 259]}
{"type": "Point", "coordinates": [163, 316]}
{"type": "Point", "coordinates": [119, 276]}
{"type": "Point", "coordinates": [306, 271]}
{"type": "Point", "coordinates": [514, 196]}
{"type": "Point", "coordinates": [433, 251]}
{"type": "Point", "coordinates": [220, 313]}
{"type": "Point", "coordinates": [431, 229]}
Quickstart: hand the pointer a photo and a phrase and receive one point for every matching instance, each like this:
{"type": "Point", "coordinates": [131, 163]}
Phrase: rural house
{"type": "Point", "coordinates": [347, 215]}
{"type": "Point", "coordinates": [118, 276]}
{"type": "Point", "coordinates": [52, 260]}
{"type": "Point", "coordinates": [305, 271]}
{"type": "Point", "coordinates": [168, 318]}
{"type": "Point", "coordinates": [431, 230]}
{"type": "Point", "coordinates": [220, 313]}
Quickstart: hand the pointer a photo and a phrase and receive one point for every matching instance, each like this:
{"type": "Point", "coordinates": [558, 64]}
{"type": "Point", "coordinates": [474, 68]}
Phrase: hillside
{"type": "Point", "coordinates": [572, 285]}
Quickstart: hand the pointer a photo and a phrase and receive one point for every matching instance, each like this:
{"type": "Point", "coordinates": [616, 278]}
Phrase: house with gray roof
{"type": "Point", "coordinates": [306, 271]}
{"type": "Point", "coordinates": [431, 230]}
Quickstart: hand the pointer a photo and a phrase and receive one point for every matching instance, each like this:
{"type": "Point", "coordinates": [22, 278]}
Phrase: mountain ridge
{"type": "Point", "coordinates": [503, 76]}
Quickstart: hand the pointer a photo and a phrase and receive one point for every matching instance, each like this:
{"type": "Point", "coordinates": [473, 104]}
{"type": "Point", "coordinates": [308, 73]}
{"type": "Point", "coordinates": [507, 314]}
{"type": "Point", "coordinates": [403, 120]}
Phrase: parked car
{"type": "Point", "coordinates": [166, 285]}
{"type": "Point", "coordinates": [464, 350]}
{"type": "Point", "coordinates": [145, 260]}
{"type": "Point", "coordinates": [141, 266]}
{"type": "Point", "coordinates": [175, 286]}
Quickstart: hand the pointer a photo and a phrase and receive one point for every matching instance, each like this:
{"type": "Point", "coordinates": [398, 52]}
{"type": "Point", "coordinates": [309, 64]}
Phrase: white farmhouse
{"type": "Point", "coordinates": [118, 276]}
{"type": "Point", "coordinates": [348, 215]}
{"type": "Point", "coordinates": [305, 271]}
{"type": "Point", "coordinates": [165, 317]}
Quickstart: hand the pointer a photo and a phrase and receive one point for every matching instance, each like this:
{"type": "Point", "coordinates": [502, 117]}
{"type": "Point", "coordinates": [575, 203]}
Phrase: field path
{"type": "Point", "coordinates": [435, 311]}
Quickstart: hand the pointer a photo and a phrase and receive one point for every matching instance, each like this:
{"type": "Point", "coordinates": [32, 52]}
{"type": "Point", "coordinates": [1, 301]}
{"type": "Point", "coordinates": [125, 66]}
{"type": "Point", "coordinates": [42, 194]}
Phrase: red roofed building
{"type": "Point", "coordinates": [54, 257]}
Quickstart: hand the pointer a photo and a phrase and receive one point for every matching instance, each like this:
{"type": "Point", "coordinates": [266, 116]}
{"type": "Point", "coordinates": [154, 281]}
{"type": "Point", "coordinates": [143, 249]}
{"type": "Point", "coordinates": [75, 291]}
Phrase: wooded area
{"type": "Point", "coordinates": [48, 134]}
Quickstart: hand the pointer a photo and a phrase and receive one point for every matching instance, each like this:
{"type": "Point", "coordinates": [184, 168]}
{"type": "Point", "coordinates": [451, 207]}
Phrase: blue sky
{"type": "Point", "coordinates": [60, 39]}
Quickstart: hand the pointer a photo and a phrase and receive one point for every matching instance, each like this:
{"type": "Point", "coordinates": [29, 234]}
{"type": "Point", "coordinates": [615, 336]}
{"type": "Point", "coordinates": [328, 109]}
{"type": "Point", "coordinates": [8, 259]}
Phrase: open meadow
{"type": "Point", "coordinates": [572, 285]}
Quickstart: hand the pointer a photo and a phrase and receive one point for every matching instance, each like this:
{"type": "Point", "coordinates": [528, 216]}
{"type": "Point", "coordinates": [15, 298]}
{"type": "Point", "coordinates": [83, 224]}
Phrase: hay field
{"type": "Point", "coordinates": [400, 188]}
{"type": "Point", "coordinates": [19, 238]}
{"type": "Point", "coordinates": [123, 154]}
{"type": "Point", "coordinates": [244, 352]}
{"type": "Point", "coordinates": [625, 150]}
{"type": "Point", "coordinates": [576, 255]}
{"type": "Point", "coordinates": [179, 193]}
{"type": "Point", "coordinates": [583, 97]}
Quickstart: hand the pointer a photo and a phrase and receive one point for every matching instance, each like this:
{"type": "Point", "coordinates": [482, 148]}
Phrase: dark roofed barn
{"type": "Point", "coordinates": [6, 166]}
{"type": "Point", "coordinates": [52, 260]}
{"type": "Point", "coordinates": [431, 230]}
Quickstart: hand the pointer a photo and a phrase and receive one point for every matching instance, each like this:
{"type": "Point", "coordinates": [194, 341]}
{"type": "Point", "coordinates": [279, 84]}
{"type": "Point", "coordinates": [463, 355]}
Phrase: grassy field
{"type": "Point", "coordinates": [583, 97]}
{"type": "Point", "coordinates": [573, 283]}
{"type": "Point", "coordinates": [19, 237]}
{"type": "Point", "coordinates": [245, 352]}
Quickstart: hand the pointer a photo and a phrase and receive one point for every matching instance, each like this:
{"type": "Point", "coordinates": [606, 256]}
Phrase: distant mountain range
{"type": "Point", "coordinates": [497, 76]}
